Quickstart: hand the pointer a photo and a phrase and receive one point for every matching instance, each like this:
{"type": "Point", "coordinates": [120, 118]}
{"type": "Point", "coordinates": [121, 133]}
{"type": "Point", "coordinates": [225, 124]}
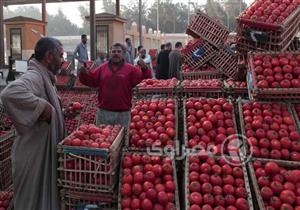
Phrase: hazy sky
{"type": "Point", "coordinates": [73, 14]}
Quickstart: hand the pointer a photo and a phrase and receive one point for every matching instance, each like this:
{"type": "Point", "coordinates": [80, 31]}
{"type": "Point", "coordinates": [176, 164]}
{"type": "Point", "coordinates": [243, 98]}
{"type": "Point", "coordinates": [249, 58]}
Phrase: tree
{"type": "Point", "coordinates": [172, 17]}
{"type": "Point", "coordinates": [233, 8]}
{"type": "Point", "coordinates": [214, 9]}
{"type": "Point", "coordinates": [109, 6]}
{"type": "Point", "coordinates": [58, 25]}
{"type": "Point", "coordinates": [85, 29]}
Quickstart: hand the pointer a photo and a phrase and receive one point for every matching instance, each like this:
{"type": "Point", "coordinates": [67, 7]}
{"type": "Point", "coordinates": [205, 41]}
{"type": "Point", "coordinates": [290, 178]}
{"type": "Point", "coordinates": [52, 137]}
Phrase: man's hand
{"type": "Point", "coordinates": [46, 114]}
{"type": "Point", "coordinates": [142, 64]}
{"type": "Point", "coordinates": [69, 113]}
{"type": "Point", "coordinates": [83, 70]}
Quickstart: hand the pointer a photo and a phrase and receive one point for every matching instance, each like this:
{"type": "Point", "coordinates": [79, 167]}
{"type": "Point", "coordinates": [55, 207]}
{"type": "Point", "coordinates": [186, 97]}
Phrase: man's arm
{"type": "Point", "coordinates": [76, 52]}
{"type": "Point", "coordinates": [136, 76]}
{"type": "Point", "coordinates": [90, 78]}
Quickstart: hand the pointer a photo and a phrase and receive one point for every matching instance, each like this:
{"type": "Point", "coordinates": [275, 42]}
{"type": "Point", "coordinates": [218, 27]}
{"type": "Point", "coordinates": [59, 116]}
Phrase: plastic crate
{"type": "Point", "coordinates": [242, 125]}
{"type": "Point", "coordinates": [185, 135]}
{"type": "Point", "coordinates": [186, 183]}
{"type": "Point", "coordinates": [6, 142]}
{"type": "Point", "coordinates": [201, 75]}
{"type": "Point", "coordinates": [277, 94]}
{"type": "Point", "coordinates": [226, 61]}
{"type": "Point", "coordinates": [256, 189]}
{"type": "Point", "coordinates": [177, 202]}
{"type": "Point", "coordinates": [236, 92]}
{"type": "Point", "coordinates": [198, 53]}
{"type": "Point", "coordinates": [92, 170]}
{"type": "Point", "coordinates": [296, 116]}
{"type": "Point", "coordinates": [205, 27]}
{"type": "Point", "coordinates": [131, 148]}
{"type": "Point", "coordinates": [5, 174]}
{"type": "Point", "coordinates": [203, 92]}
{"type": "Point", "coordinates": [269, 26]}
{"type": "Point", "coordinates": [156, 91]}
{"type": "Point", "coordinates": [72, 200]}
{"type": "Point", "coordinates": [273, 37]}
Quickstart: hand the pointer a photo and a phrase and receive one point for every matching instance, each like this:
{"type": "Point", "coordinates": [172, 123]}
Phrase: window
{"type": "Point", "coordinates": [102, 39]}
{"type": "Point", "coordinates": [16, 43]}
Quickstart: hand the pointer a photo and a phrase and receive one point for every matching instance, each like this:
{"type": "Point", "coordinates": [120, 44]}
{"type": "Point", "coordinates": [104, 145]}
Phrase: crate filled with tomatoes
{"type": "Point", "coordinates": [148, 181]}
{"type": "Point", "coordinates": [6, 200]}
{"type": "Point", "coordinates": [210, 125]}
{"type": "Point", "coordinates": [216, 183]}
{"type": "Point", "coordinates": [276, 183]}
{"type": "Point", "coordinates": [274, 75]}
{"type": "Point", "coordinates": [202, 88]}
{"type": "Point", "coordinates": [270, 25]}
{"type": "Point", "coordinates": [154, 87]}
{"type": "Point", "coordinates": [88, 159]}
{"type": "Point", "coordinates": [154, 124]}
{"type": "Point", "coordinates": [270, 130]}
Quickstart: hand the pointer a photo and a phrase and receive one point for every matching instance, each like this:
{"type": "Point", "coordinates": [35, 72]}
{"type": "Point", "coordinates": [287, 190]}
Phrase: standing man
{"type": "Point", "coordinates": [115, 80]}
{"type": "Point", "coordinates": [80, 52]}
{"type": "Point", "coordinates": [35, 109]}
{"type": "Point", "coordinates": [162, 71]}
{"type": "Point", "coordinates": [143, 55]}
{"type": "Point", "coordinates": [129, 49]}
{"type": "Point", "coordinates": [175, 61]}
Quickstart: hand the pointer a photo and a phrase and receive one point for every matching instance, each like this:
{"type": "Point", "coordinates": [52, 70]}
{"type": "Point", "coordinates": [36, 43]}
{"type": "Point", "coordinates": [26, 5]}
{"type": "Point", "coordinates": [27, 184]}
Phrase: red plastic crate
{"type": "Point", "coordinates": [88, 169]}
{"type": "Point", "coordinates": [226, 61]}
{"type": "Point", "coordinates": [73, 200]}
{"type": "Point", "coordinates": [198, 53]}
{"type": "Point", "coordinates": [288, 94]}
{"type": "Point", "coordinates": [275, 37]}
{"type": "Point", "coordinates": [205, 27]}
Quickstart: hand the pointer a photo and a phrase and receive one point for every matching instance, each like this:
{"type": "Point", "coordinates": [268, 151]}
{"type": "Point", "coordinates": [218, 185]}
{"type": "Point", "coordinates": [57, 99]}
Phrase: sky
{"type": "Point", "coordinates": [74, 16]}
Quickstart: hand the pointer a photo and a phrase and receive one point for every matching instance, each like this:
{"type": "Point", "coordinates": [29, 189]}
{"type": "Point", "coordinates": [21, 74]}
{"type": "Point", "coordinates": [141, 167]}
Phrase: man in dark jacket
{"type": "Point", "coordinates": [162, 71]}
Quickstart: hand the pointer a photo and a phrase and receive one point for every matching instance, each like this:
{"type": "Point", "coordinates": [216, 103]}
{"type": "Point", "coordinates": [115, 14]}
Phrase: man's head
{"type": "Point", "coordinates": [116, 53]}
{"type": "Point", "coordinates": [84, 38]}
{"type": "Point", "coordinates": [178, 45]}
{"type": "Point", "coordinates": [139, 48]}
{"type": "Point", "coordinates": [162, 47]}
{"type": "Point", "coordinates": [49, 52]}
{"type": "Point", "coordinates": [142, 53]}
{"type": "Point", "coordinates": [168, 46]}
{"type": "Point", "coordinates": [128, 41]}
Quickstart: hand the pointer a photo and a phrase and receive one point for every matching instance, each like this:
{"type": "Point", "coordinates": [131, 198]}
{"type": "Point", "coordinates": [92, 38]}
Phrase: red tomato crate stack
{"type": "Point", "coordinates": [88, 166]}
{"type": "Point", "coordinates": [268, 26]}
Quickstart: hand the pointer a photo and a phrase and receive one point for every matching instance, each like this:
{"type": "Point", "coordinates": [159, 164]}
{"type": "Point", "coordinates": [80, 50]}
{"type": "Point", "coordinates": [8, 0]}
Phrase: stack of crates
{"type": "Point", "coordinates": [88, 176]}
{"type": "Point", "coordinates": [258, 35]}
{"type": "Point", "coordinates": [209, 46]}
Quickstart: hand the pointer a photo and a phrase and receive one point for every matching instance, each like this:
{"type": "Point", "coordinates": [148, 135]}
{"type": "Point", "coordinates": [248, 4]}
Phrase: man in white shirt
{"type": "Point", "coordinates": [146, 58]}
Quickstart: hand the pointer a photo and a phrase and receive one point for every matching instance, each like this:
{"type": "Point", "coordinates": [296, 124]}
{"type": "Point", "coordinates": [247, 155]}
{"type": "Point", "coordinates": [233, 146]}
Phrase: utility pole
{"type": "Point", "coordinates": [140, 21]}
{"type": "Point", "coordinates": [189, 11]}
{"type": "Point", "coordinates": [157, 16]}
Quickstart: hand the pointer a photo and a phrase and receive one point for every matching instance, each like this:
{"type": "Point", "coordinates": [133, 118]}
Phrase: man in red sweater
{"type": "Point", "coordinates": [115, 80]}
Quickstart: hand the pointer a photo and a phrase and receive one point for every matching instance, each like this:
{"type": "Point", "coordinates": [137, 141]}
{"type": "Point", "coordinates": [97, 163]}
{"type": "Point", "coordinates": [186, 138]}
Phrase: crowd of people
{"type": "Point", "coordinates": [37, 114]}
{"type": "Point", "coordinates": [168, 60]}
